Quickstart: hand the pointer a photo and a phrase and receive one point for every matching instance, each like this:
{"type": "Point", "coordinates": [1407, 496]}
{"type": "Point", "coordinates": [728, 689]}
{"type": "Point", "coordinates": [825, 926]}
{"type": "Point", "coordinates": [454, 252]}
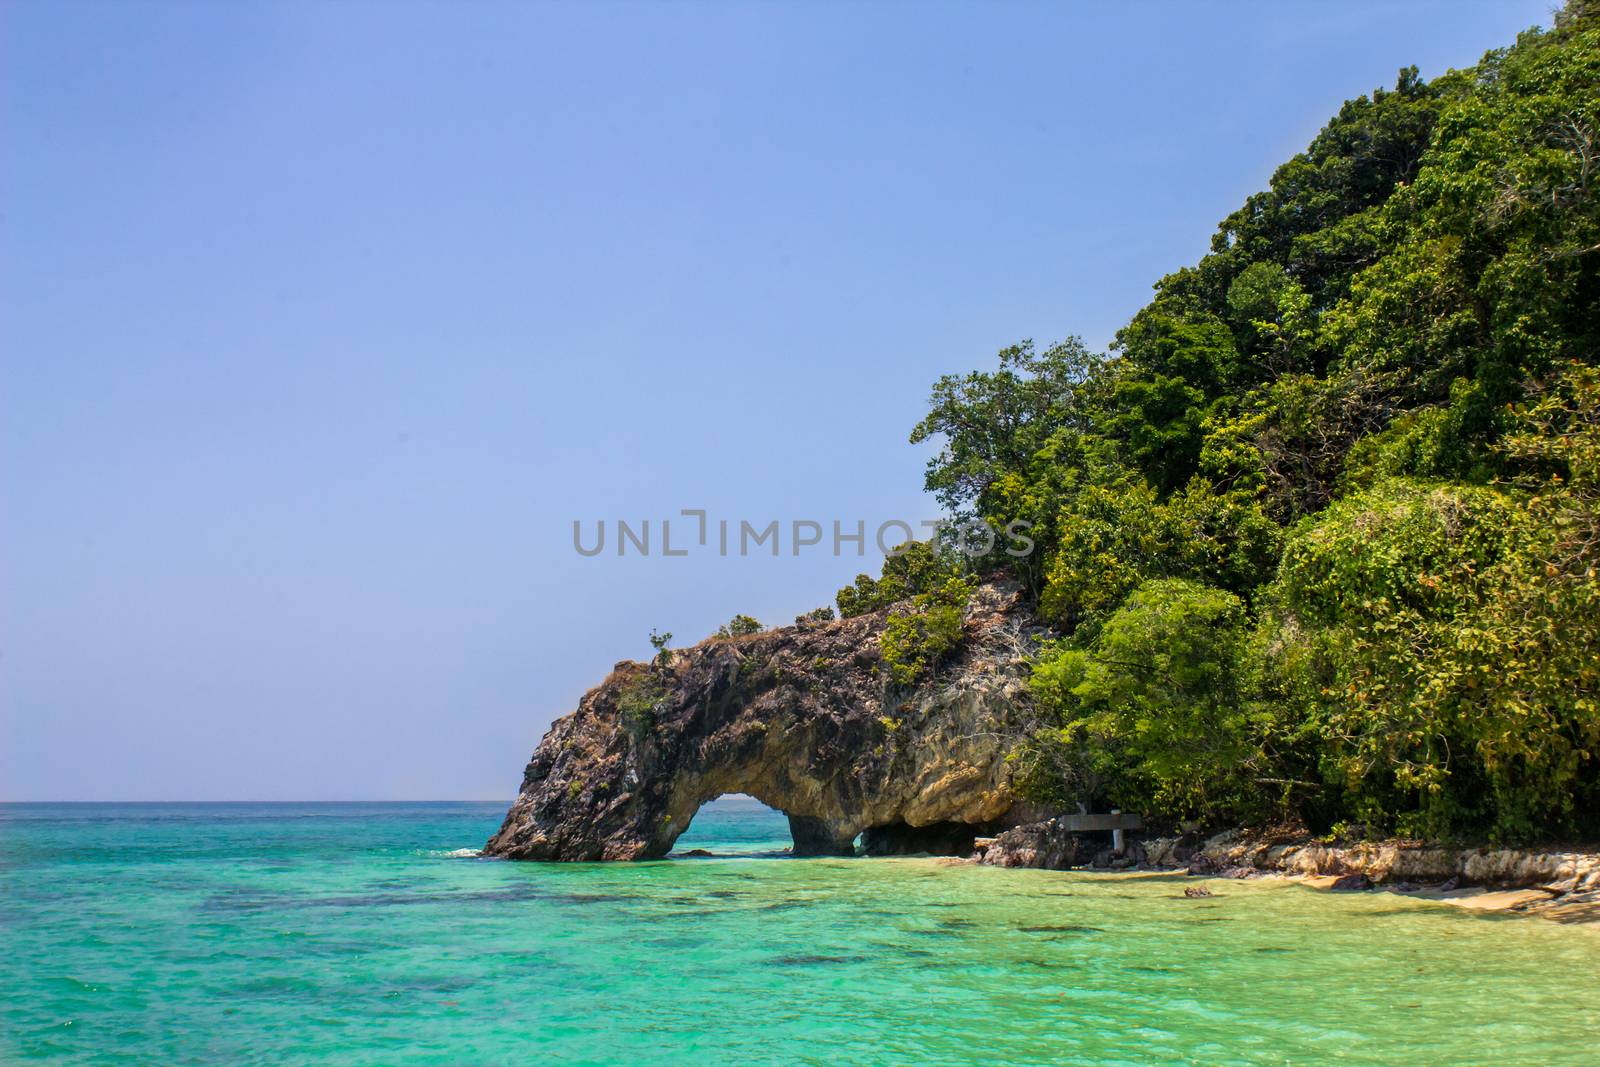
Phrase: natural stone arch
{"type": "Point", "coordinates": [796, 718]}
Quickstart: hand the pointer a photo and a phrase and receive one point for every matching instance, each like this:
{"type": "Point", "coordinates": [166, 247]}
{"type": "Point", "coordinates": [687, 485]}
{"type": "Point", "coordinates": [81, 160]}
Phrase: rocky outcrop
{"type": "Point", "coordinates": [1391, 861]}
{"type": "Point", "coordinates": [1561, 885]}
{"type": "Point", "coordinates": [1572, 876]}
{"type": "Point", "coordinates": [1048, 845]}
{"type": "Point", "coordinates": [802, 719]}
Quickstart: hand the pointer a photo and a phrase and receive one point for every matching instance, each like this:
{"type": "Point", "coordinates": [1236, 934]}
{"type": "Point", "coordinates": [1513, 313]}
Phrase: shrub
{"type": "Point", "coordinates": [739, 626]}
{"type": "Point", "coordinates": [638, 701]}
{"type": "Point", "coordinates": [1051, 767]}
{"type": "Point", "coordinates": [917, 567]}
{"type": "Point", "coordinates": [1444, 660]}
{"type": "Point", "coordinates": [914, 643]}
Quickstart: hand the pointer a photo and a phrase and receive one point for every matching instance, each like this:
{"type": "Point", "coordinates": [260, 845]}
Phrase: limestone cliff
{"type": "Point", "coordinates": [802, 719]}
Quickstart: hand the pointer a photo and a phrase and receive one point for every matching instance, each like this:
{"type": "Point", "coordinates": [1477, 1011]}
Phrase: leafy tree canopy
{"type": "Point", "coordinates": [1318, 536]}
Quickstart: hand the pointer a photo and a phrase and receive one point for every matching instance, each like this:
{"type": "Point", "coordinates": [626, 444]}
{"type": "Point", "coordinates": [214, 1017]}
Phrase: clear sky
{"type": "Point", "coordinates": [322, 322]}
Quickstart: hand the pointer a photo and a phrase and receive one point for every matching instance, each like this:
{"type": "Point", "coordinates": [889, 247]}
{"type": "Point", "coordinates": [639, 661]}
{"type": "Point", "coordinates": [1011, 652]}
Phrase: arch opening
{"type": "Point", "coordinates": [733, 824]}
{"type": "Point", "coordinates": [740, 825]}
{"type": "Point", "coordinates": [935, 839]}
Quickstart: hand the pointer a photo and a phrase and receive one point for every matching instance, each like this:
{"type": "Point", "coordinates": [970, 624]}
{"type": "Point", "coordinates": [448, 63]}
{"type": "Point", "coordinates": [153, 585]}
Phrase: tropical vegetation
{"type": "Point", "coordinates": [1318, 537]}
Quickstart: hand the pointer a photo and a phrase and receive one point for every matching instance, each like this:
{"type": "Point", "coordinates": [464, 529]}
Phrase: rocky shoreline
{"type": "Point", "coordinates": [1561, 885]}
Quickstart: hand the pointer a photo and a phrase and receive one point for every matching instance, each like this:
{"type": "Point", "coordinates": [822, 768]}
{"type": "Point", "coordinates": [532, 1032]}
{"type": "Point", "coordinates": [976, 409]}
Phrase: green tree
{"type": "Point", "coordinates": [1155, 701]}
{"type": "Point", "coordinates": [739, 626]}
{"type": "Point", "coordinates": [663, 654]}
{"type": "Point", "coordinates": [1111, 538]}
{"type": "Point", "coordinates": [992, 423]}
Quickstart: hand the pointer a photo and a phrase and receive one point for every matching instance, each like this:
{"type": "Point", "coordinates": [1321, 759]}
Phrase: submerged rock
{"type": "Point", "coordinates": [800, 718]}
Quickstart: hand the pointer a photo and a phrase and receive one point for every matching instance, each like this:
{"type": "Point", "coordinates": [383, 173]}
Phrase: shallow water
{"type": "Point", "coordinates": [368, 933]}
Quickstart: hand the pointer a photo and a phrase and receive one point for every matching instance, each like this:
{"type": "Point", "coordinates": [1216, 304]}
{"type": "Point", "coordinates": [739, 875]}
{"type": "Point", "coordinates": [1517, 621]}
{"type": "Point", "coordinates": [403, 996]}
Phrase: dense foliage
{"type": "Point", "coordinates": [914, 567]}
{"type": "Point", "coordinates": [1319, 536]}
{"type": "Point", "coordinates": [917, 638]}
{"type": "Point", "coordinates": [1153, 700]}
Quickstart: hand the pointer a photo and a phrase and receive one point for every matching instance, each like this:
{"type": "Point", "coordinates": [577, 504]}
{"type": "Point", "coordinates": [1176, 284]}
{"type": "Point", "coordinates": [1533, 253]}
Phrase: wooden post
{"type": "Point", "coordinates": [1117, 843]}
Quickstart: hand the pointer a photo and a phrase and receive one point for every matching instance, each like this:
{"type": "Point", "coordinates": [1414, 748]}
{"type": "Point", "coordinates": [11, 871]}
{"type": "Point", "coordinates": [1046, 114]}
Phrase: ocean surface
{"type": "Point", "coordinates": [371, 933]}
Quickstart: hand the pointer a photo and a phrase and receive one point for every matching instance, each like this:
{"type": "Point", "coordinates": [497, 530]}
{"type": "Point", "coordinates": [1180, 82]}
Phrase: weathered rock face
{"type": "Point", "coordinates": [799, 718]}
{"type": "Point", "coordinates": [1398, 861]}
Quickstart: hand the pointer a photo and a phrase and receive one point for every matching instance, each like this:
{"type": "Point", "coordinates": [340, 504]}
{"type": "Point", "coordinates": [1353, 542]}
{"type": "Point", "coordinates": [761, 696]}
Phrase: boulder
{"type": "Point", "coordinates": [1047, 845]}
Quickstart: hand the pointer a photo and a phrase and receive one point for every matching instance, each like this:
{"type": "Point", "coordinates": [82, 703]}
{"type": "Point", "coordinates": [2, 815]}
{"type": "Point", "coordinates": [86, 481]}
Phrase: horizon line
{"type": "Point", "coordinates": [346, 800]}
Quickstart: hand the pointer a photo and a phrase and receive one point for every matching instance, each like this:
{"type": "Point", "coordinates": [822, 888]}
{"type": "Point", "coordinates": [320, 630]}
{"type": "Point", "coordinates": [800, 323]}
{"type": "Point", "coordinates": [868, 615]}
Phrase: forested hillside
{"type": "Point", "coordinates": [1319, 535]}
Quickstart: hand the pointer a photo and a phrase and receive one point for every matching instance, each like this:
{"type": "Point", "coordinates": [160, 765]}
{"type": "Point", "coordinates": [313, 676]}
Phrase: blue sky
{"type": "Point", "coordinates": [322, 322]}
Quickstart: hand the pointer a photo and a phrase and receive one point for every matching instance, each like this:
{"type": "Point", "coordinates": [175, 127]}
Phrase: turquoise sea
{"type": "Point", "coordinates": [370, 933]}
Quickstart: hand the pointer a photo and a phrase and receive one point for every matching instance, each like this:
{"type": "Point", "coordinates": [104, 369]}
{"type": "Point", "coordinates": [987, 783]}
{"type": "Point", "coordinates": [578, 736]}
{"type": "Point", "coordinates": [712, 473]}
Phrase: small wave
{"type": "Point", "coordinates": [451, 854]}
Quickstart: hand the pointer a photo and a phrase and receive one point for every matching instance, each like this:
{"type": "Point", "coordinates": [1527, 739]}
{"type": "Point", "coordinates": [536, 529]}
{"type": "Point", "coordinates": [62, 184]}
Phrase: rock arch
{"type": "Point", "coordinates": [796, 718]}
